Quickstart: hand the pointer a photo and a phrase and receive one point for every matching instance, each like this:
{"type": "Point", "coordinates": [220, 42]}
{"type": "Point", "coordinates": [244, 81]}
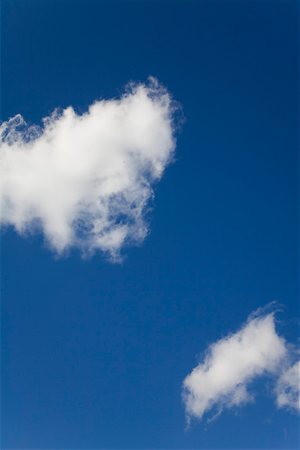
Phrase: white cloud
{"type": "Point", "coordinates": [222, 379]}
{"type": "Point", "coordinates": [288, 387]}
{"type": "Point", "coordinates": [85, 180]}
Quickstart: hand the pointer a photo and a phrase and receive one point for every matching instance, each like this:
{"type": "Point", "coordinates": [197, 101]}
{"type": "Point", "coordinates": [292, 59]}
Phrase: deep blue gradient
{"type": "Point", "coordinates": [94, 354]}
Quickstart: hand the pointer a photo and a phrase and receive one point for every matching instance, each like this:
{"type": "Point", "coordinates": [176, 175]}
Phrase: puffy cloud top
{"type": "Point", "coordinates": [85, 180]}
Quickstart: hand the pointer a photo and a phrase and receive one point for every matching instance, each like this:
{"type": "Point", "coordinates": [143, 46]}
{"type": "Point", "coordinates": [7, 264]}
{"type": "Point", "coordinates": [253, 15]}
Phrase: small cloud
{"type": "Point", "coordinates": [222, 379]}
{"type": "Point", "coordinates": [85, 180]}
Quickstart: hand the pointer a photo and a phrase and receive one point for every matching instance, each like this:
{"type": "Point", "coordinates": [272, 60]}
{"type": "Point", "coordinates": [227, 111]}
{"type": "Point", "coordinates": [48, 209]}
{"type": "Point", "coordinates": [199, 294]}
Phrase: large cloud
{"type": "Point", "coordinates": [85, 180]}
{"type": "Point", "coordinates": [222, 379]}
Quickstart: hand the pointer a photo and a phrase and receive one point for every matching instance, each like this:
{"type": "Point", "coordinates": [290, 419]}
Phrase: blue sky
{"type": "Point", "coordinates": [94, 352]}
